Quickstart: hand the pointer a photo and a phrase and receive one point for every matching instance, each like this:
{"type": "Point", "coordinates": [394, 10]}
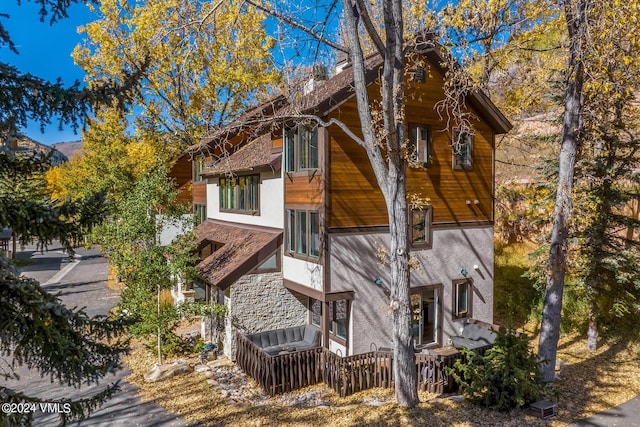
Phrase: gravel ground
{"type": "Point", "coordinates": [221, 394]}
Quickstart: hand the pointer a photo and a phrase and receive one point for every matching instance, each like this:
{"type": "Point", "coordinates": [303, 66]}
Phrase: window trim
{"type": "Point", "coordinates": [197, 169]}
{"type": "Point", "coordinates": [311, 312]}
{"type": "Point", "coordinates": [236, 194]}
{"type": "Point", "coordinates": [455, 315]}
{"type": "Point", "coordinates": [438, 328]}
{"type": "Point", "coordinates": [456, 156]}
{"type": "Point", "coordinates": [292, 151]}
{"type": "Point", "coordinates": [415, 160]}
{"type": "Point", "coordinates": [200, 212]}
{"type": "Point", "coordinates": [277, 269]}
{"type": "Point", "coordinates": [429, 232]}
{"type": "Point", "coordinates": [333, 324]}
{"type": "Point", "coordinates": [292, 216]}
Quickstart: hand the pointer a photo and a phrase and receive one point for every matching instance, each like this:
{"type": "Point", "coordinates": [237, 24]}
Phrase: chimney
{"type": "Point", "coordinates": [342, 61]}
{"type": "Point", "coordinates": [318, 74]}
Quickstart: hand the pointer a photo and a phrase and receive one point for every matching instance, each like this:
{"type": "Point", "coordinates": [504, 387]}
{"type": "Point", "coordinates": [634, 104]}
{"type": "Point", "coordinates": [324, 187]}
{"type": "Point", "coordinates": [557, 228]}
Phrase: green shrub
{"type": "Point", "coordinates": [506, 377]}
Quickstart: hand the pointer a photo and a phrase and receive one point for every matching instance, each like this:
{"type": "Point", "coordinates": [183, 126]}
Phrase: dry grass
{"type": "Point", "coordinates": [591, 382]}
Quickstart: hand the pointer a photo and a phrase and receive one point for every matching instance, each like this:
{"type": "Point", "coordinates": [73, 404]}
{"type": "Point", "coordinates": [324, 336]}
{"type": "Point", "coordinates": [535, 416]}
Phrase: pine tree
{"type": "Point", "coordinates": [36, 329]}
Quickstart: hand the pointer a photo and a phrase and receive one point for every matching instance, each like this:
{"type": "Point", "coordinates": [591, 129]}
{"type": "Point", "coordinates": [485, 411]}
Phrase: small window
{"type": "Point", "coordinates": [462, 299]}
{"type": "Point", "coordinates": [248, 192]}
{"type": "Point", "coordinates": [421, 225]}
{"type": "Point", "coordinates": [291, 227]}
{"type": "Point", "coordinates": [227, 193]}
{"type": "Point", "coordinates": [462, 149]}
{"type": "Point", "coordinates": [198, 167]}
{"type": "Point", "coordinates": [271, 264]}
{"type": "Point", "coordinates": [240, 193]}
{"type": "Point", "coordinates": [303, 232]}
{"type": "Point", "coordinates": [314, 234]}
{"type": "Point", "coordinates": [420, 144]}
{"type": "Point", "coordinates": [315, 311]}
{"type": "Point", "coordinates": [301, 148]}
{"type": "Point", "coordinates": [200, 213]}
{"type": "Point", "coordinates": [339, 318]}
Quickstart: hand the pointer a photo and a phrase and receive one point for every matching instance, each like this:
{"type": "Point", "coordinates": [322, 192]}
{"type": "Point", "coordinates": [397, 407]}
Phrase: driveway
{"type": "Point", "coordinates": [81, 282]}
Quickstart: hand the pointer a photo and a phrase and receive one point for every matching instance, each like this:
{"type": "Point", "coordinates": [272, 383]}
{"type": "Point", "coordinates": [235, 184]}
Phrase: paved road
{"type": "Point", "coordinates": [625, 415]}
{"type": "Point", "coordinates": [81, 283]}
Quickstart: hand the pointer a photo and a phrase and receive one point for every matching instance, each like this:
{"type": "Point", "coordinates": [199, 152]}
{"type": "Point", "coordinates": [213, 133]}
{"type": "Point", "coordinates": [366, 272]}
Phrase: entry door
{"type": "Point", "coordinates": [426, 316]}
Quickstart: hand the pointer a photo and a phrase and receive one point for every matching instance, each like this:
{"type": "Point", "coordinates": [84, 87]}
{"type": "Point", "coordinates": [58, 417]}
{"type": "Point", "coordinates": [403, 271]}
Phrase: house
{"type": "Point", "coordinates": [295, 228]}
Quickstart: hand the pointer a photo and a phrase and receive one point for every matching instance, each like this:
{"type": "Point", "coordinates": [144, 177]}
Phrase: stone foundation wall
{"type": "Point", "coordinates": [260, 302]}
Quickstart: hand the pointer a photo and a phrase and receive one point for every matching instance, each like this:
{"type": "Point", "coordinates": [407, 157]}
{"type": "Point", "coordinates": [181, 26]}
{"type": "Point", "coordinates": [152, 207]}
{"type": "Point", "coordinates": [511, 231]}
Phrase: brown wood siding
{"type": "Point", "coordinates": [181, 173]}
{"type": "Point", "coordinates": [300, 190]}
{"type": "Point", "coordinates": [200, 193]}
{"type": "Point", "coordinates": [307, 187]}
{"type": "Point", "coordinates": [355, 198]}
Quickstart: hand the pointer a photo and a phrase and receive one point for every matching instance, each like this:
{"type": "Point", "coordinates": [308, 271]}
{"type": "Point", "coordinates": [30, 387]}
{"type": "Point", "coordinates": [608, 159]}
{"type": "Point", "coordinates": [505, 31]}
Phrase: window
{"type": "Point", "coordinates": [200, 213]}
{"type": "Point", "coordinates": [301, 148]}
{"type": "Point", "coordinates": [462, 298]}
{"type": "Point", "coordinates": [198, 166]}
{"type": "Point", "coordinates": [240, 193]}
{"type": "Point", "coordinates": [462, 149]}
{"type": "Point", "coordinates": [248, 192]}
{"type": "Point", "coordinates": [303, 232]}
{"type": "Point", "coordinates": [271, 264]}
{"type": "Point", "coordinates": [420, 223]}
{"type": "Point", "coordinates": [315, 311]}
{"type": "Point", "coordinates": [291, 234]}
{"type": "Point", "coordinates": [339, 318]}
{"type": "Point", "coordinates": [314, 234]}
{"type": "Point", "coordinates": [420, 144]}
{"type": "Point", "coordinates": [227, 193]}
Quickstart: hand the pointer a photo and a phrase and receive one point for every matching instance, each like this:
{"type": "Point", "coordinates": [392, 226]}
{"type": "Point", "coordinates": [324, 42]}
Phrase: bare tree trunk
{"type": "Point", "coordinates": [404, 368]}
{"type": "Point", "coordinates": [390, 174]}
{"type": "Point", "coordinates": [576, 17]}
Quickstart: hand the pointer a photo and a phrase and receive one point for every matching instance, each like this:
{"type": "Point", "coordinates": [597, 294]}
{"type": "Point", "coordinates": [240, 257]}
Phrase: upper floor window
{"type": "Point", "coordinates": [419, 144]}
{"type": "Point", "coordinates": [420, 223]}
{"type": "Point", "coordinates": [198, 166]}
{"type": "Point", "coordinates": [301, 148]}
{"type": "Point", "coordinates": [240, 193]}
{"type": "Point", "coordinates": [462, 149]}
{"type": "Point", "coordinates": [462, 299]}
{"type": "Point", "coordinates": [303, 232]}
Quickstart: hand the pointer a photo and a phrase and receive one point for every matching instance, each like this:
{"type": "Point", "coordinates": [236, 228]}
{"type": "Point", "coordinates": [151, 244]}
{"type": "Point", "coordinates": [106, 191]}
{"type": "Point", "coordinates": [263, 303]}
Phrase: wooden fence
{"type": "Point", "coordinates": [345, 375]}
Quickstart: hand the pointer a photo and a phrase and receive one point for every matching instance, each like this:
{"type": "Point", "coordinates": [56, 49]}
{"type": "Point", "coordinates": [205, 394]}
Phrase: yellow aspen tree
{"type": "Point", "coordinates": [202, 62]}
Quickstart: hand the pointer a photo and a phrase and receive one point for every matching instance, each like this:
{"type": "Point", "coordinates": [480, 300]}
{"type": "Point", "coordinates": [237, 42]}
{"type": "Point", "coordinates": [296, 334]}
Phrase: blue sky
{"type": "Point", "coordinates": [45, 51]}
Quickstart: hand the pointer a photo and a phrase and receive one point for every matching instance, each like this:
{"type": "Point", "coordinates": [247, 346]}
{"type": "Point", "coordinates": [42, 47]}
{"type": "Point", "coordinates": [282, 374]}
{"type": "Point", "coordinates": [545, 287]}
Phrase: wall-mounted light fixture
{"type": "Point", "coordinates": [464, 271]}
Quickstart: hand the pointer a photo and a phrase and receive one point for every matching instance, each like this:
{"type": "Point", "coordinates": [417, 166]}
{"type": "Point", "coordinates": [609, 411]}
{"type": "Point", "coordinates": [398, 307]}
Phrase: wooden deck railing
{"type": "Point", "coordinates": [282, 373]}
{"type": "Point", "coordinates": [345, 375]}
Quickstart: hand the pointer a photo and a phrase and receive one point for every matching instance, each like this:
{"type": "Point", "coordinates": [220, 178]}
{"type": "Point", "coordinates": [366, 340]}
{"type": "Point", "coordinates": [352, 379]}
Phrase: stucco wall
{"type": "Point", "coordinates": [271, 201]}
{"type": "Point", "coordinates": [354, 266]}
{"type": "Point", "coordinates": [260, 302]}
{"type": "Point", "coordinates": [304, 272]}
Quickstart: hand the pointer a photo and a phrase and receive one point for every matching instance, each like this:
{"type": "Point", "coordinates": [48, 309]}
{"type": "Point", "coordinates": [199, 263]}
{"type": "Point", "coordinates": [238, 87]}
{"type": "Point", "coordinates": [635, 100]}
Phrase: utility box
{"type": "Point", "coordinates": [543, 409]}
